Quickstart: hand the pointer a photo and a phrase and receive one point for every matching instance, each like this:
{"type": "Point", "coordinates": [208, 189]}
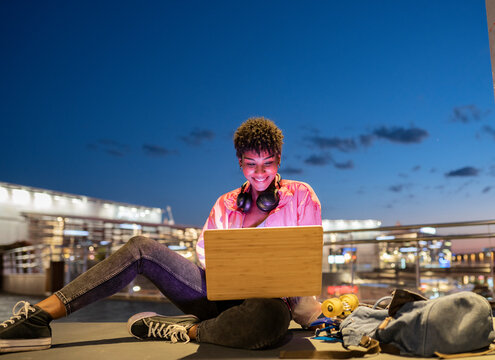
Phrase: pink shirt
{"type": "Point", "coordinates": [298, 206]}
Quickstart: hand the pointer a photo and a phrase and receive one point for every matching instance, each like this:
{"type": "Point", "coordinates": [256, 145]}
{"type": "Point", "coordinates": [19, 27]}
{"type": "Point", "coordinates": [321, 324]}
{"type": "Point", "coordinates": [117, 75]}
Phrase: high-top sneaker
{"type": "Point", "coordinates": [152, 326]}
{"type": "Point", "coordinates": [28, 329]}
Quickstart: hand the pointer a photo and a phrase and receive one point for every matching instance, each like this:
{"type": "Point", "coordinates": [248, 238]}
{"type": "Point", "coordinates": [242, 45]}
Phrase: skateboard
{"type": "Point", "coordinates": [340, 307]}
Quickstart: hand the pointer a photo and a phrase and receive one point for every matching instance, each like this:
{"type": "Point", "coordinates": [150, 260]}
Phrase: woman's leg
{"type": "Point", "coordinates": [53, 306]}
{"type": "Point", "coordinates": [180, 280]}
{"type": "Point", "coordinates": [255, 324]}
{"type": "Point", "coordinates": [251, 324]}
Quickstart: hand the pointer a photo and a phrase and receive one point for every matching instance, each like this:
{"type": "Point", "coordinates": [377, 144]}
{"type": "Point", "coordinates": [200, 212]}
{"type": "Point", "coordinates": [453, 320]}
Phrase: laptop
{"type": "Point", "coordinates": [263, 262]}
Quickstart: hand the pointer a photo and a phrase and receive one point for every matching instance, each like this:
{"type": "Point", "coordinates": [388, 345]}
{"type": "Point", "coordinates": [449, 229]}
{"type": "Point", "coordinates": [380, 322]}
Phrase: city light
{"type": "Point", "coordinates": [42, 200]}
{"type": "Point", "coordinates": [130, 226]}
{"type": "Point", "coordinates": [76, 233]}
{"type": "Point", "coordinates": [385, 237]}
{"type": "Point", "coordinates": [177, 247]}
{"type": "Point", "coordinates": [408, 249]}
{"type": "Point", "coordinates": [61, 200]}
{"type": "Point", "coordinates": [20, 197]}
{"type": "Point", "coordinates": [336, 259]}
{"type": "Point", "coordinates": [428, 230]}
{"type": "Point", "coordinates": [4, 194]}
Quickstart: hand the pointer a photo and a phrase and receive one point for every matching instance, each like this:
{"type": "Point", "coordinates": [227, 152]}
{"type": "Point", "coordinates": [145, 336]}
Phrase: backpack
{"type": "Point", "coordinates": [452, 324]}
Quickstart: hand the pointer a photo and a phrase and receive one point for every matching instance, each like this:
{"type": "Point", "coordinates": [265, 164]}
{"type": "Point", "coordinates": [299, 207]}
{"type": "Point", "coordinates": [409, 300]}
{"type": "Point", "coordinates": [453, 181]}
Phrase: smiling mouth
{"type": "Point", "coordinates": [260, 180]}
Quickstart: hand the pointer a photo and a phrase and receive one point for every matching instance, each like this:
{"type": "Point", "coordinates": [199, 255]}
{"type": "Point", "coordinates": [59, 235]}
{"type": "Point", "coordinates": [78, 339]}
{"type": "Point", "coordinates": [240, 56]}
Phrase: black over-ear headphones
{"type": "Point", "coordinates": [266, 201]}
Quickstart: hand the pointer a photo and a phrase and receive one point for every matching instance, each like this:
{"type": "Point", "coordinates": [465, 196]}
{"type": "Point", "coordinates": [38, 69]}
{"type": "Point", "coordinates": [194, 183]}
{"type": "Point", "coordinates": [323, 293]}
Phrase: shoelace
{"type": "Point", "coordinates": [173, 332]}
{"type": "Point", "coordinates": [20, 309]}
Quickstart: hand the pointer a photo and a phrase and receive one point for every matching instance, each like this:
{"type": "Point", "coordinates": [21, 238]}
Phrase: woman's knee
{"type": "Point", "coordinates": [141, 244]}
{"type": "Point", "coordinates": [270, 321]}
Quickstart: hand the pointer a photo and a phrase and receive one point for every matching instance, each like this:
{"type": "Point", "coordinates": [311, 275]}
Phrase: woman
{"type": "Point", "coordinates": [264, 200]}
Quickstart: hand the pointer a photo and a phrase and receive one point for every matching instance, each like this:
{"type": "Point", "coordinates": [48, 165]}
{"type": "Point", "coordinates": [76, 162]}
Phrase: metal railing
{"type": "Point", "coordinates": [27, 259]}
{"type": "Point", "coordinates": [74, 260]}
{"type": "Point", "coordinates": [37, 258]}
{"type": "Point", "coordinates": [400, 237]}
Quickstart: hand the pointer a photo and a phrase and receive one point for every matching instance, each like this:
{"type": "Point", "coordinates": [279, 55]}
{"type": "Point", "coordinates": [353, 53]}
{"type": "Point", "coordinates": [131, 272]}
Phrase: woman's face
{"type": "Point", "coordinates": [259, 169]}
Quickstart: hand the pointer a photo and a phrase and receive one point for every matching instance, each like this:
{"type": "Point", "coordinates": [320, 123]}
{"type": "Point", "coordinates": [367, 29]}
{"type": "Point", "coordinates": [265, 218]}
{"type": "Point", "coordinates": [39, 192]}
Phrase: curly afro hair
{"type": "Point", "coordinates": [258, 134]}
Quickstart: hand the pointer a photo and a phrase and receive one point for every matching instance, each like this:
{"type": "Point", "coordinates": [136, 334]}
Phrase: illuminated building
{"type": "Point", "coordinates": [77, 230]}
{"type": "Point", "coordinates": [433, 253]}
{"type": "Point", "coordinates": [41, 216]}
{"type": "Point", "coordinates": [368, 257]}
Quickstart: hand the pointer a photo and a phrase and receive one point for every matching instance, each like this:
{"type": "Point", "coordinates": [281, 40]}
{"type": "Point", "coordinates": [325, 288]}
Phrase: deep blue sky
{"type": "Point", "coordinates": [386, 106]}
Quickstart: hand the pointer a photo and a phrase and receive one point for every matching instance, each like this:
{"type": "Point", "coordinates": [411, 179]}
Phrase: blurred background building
{"type": "Point", "coordinates": [52, 236]}
{"type": "Point", "coordinates": [48, 238]}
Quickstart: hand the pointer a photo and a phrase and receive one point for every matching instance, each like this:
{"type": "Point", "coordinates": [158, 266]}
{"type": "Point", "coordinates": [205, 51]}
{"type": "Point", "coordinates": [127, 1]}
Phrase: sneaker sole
{"type": "Point", "coordinates": [142, 315]}
{"type": "Point", "coordinates": [25, 345]}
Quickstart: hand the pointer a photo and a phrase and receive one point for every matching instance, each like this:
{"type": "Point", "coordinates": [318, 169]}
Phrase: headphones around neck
{"type": "Point", "coordinates": [266, 201]}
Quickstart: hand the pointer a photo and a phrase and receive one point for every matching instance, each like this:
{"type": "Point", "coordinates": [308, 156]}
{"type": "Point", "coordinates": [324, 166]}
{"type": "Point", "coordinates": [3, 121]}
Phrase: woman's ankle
{"type": "Point", "coordinates": [53, 306]}
{"type": "Point", "coordinates": [192, 332]}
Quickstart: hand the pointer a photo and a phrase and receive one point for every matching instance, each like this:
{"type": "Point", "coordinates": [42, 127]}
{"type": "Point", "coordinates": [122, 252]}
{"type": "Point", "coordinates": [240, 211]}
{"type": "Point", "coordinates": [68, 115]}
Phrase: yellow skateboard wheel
{"type": "Point", "coordinates": [332, 307]}
{"type": "Point", "coordinates": [351, 300]}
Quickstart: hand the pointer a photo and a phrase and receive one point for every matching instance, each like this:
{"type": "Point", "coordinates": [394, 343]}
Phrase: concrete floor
{"type": "Point", "coordinates": [108, 310]}
{"type": "Point", "coordinates": [99, 332]}
{"type": "Point", "coordinates": [110, 340]}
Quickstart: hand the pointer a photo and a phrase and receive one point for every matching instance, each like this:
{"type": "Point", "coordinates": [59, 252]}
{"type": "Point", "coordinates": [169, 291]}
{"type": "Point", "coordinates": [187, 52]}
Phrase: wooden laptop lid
{"type": "Point", "coordinates": [263, 262]}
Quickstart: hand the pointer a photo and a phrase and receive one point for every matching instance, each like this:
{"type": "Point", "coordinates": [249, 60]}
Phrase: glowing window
{"type": "Point", "coordinates": [20, 197]}
{"type": "Point", "coordinates": [42, 200]}
{"type": "Point", "coordinates": [4, 194]}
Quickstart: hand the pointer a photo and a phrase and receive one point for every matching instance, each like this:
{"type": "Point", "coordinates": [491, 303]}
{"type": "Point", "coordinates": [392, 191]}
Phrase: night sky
{"type": "Point", "coordinates": [387, 107]}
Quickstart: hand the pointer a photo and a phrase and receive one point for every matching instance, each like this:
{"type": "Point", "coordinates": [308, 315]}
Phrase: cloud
{"type": "Point", "coordinates": [466, 114]}
{"type": "Point", "coordinates": [198, 136]}
{"type": "Point", "coordinates": [114, 152]}
{"type": "Point", "coordinates": [110, 147]}
{"type": "Point", "coordinates": [394, 134]}
{"type": "Point", "coordinates": [401, 135]}
{"type": "Point", "coordinates": [366, 139]}
{"type": "Point", "coordinates": [396, 188]}
{"type": "Point", "coordinates": [465, 171]}
{"type": "Point", "coordinates": [112, 143]}
{"type": "Point", "coordinates": [463, 186]}
{"type": "Point", "coordinates": [157, 151]}
{"type": "Point", "coordinates": [319, 160]}
{"type": "Point", "coordinates": [486, 189]}
{"type": "Point", "coordinates": [345, 165]}
{"type": "Point", "coordinates": [399, 187]}
{"type": "Point", "coordinates": [291, 171]}
{"type": "Point", "coordinates": [342, 144]}
{"type": "Point", "coordinates": [489, 130]}
{"type": "Point", "coordinates": [360, 191]}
